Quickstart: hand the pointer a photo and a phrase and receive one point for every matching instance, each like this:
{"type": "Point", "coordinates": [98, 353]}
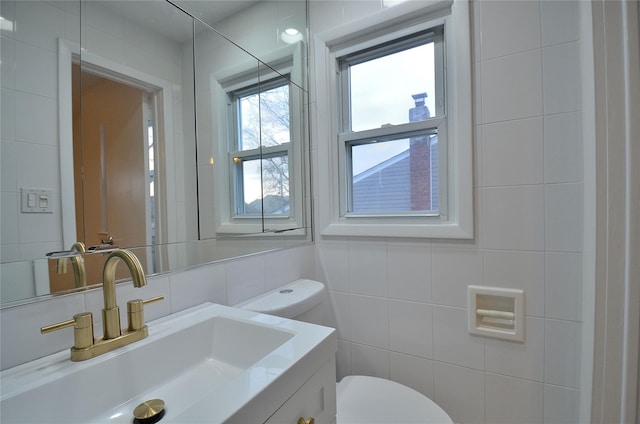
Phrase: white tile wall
{"type": "Point", "coordinates": [340, 314]}
{"type": "Point", "coordinates": [562, 348]}
{"type": "Point", "coordinates": [39, 24]}
{"type": "Point", "coordinates": [368, 268]}
{"type": "Point", "coordinates": [561, 67]}
{"type": "Point", "coordinates": [404, 318]}
{"type": "Point", "coordinates": [563, 286]}
{"type": "Point", "coordinates": [559, 21]}
{"type": "Point", "coordinates": [518, 270]}
{"type": "Point", "coordinates": [412, 371]}
{"type": "Point", "coordinates": [370, 321]}
{"type": "Point", "coordinates": [561, 405]}
{"type": "Point", "coordinates": [343, 360]}
{"type": "Point", "coordinates": [563, 148]}
{"type": "Point", "coordinates": [512, 87]}
{"type": "Point", "coordinates": [520, 360]}
{"type": "Point", "coordinates": [452, 342]}
{"type": "Point", "coordinates": [367, 360]}
{"type": "Point", "coordinates": [190, 287]}
{"type": "Point", "coordinates": [513, 401]}
{"type": "Point", "coordinates": [514, 218]}
{"type": "Point", "coordinates": [245, 278]}
{"type": "Point", "coordinates": [519, 19]}
{"type": "Point", "coordinates": [453, 271]}
{"type": "Point", "coordinates": [563, 217]}
{"type": "Point", "coordinates": [512, 152]}
{"type": "Point", "coordinates": [460, 392]}
{"type": "Point", "coordinates": [33, 67]}
{"type": "Point", "coordinates": [528, 221]}
{"type": "Point", "coordinates": [409, 270]}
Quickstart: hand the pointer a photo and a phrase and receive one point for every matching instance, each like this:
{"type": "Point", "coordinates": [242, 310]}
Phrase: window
{"type": "Point", "coordinates": [400, 160]}
{"type": "Point", "coordinates": [393, 111]}
{"type": "Point", "coordinates": [259, 159]}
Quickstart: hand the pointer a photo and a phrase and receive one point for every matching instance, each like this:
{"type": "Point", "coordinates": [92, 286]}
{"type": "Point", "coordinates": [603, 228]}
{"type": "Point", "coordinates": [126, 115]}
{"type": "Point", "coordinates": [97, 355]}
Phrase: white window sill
{"type": "Point", "coordinates": [439, 230]}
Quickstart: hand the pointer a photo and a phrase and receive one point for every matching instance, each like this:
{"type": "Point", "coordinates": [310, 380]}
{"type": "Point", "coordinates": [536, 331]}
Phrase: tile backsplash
{"type": "Point", "coordinates": [227, 283]}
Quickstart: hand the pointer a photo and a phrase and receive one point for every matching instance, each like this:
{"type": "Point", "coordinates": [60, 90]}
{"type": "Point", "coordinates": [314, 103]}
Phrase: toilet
{"type": "Point", "coordinates": [360, 399]}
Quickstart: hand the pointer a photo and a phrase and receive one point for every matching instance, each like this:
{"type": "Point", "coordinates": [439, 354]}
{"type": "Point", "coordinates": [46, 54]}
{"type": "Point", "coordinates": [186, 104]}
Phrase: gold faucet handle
{"type": "Point", "coordinates": [82, 329]}
{"type": "Point", "coordinates": [135, 312]}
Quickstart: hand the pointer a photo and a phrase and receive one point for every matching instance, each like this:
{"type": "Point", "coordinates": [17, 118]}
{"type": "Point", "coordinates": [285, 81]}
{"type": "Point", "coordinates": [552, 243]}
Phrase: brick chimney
{"type": "Point", "coordinates": [420, 158]}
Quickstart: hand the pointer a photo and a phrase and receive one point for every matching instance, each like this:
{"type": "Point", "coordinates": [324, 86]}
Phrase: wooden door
{"type": "Point", "coordinates": [110, 171]}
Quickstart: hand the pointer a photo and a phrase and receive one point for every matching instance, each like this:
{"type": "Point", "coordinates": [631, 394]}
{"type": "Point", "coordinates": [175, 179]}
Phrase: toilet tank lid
{"type": "Point", "coordinates": [287, 301]}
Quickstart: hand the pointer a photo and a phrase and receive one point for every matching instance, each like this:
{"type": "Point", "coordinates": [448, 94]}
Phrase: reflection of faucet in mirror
{"type": "Point", "coordinates": [77, 261]}
{"type": "Point", "coordinates": [85, 346]}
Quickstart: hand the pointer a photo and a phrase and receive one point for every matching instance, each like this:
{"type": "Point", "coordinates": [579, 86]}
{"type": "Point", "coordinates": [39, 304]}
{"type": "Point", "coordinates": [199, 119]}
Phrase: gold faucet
{"type": "Point", "coordinates": [85, 346]}
{"type": "Point", "coordinates": [111, 312]}
{"type": "Point", "coordinates": [77, 261]}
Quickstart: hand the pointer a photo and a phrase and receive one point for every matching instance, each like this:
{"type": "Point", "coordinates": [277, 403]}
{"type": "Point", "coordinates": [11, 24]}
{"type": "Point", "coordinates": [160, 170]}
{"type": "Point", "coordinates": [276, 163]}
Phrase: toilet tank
{"type": "Point", "coordinates": [302, 300]}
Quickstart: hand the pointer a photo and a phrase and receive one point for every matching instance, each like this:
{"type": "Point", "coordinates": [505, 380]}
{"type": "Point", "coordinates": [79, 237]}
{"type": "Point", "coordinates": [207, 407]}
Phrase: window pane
{"type": "Point", "coordinates": [269, 108]}
{"type": "Point", "coordinates": [399, 175]}
{"type": "Point", "coordinates": [275, 116]}
{"type": "Point", "coordinates": [394, 89]}
{"type": "Point", "coordinates": [251, 188]}
{"type": "Point", "coordinates": [275, 183]}
{"type": "Point", "coordinates": [268, 177]}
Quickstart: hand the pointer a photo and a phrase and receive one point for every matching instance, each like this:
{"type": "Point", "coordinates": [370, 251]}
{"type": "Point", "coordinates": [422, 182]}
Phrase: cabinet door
{"type": "Point", "coordinates": [315, 399]}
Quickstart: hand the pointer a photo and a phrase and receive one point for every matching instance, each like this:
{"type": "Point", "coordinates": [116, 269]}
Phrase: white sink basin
{"type": "Point", "coordinates": [209, 363]}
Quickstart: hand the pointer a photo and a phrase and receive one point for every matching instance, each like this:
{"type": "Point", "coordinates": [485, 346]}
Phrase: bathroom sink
{"type": "Point", "coordinates": [209, 363]}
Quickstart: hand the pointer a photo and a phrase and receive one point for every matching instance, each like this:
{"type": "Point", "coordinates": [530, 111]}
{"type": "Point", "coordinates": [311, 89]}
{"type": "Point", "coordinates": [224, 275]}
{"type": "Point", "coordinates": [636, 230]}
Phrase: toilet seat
{"type": "Point", "coordinates": [363, 399]}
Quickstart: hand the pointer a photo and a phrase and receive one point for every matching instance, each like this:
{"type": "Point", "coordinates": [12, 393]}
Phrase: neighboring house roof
{"type": "Point", "coordinates": [273, 205]}
{"type": "Point", "coordinates": [385, 187]}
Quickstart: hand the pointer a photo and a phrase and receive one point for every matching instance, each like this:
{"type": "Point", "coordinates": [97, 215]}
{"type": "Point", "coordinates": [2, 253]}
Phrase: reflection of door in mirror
{"type": "Point", "coordinates": [113, 166]}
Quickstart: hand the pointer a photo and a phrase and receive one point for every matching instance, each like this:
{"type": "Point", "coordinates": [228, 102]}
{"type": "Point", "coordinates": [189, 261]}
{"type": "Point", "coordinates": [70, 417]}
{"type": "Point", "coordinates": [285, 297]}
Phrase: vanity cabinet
{"type": "Point", "coordinates": [315, 399]}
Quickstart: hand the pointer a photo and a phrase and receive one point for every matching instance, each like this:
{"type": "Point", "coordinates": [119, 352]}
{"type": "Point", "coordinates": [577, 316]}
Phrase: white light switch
{"type": "Point", "coordinates": [36, 200]}
{"type": "Point", "coordinates": [44, 201]}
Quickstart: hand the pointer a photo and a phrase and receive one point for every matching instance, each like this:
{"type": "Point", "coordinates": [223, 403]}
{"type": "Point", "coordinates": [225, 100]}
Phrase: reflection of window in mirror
{"type": "Point", "coordinates": [260, 150]}
{"type": "Point", "coordinates": [265, 142]}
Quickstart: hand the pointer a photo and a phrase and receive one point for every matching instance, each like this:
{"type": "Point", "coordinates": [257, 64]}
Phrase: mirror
{"type": "Point", "coordinates": [63, 59]}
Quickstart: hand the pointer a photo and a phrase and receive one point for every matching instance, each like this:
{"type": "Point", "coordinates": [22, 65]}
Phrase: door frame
{"type": "Point", "coordinates": [611, 270]}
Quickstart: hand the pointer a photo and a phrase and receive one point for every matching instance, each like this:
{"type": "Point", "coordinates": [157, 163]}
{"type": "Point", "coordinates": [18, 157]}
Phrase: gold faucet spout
{"type": "Point", "coordinates": [111, 312]}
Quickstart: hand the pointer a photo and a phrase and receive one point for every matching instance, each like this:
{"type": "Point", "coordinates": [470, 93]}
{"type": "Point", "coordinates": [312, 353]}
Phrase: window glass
{"type": "Point", "coordinates": [264, 118]}
{"type": "Point", "coordinates": [381, 87]}
{"type": "Point", "coordinates": [395, 175]}
{"type": "Point", "coordinates": [393, 97]}
{"type": "Point", "coordinates": [275, 185]}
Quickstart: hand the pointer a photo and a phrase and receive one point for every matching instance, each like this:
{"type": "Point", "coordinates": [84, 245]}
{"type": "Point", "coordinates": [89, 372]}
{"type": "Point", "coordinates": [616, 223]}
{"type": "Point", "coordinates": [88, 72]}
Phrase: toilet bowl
{"type": "Point", "coordinates": [360, 399]}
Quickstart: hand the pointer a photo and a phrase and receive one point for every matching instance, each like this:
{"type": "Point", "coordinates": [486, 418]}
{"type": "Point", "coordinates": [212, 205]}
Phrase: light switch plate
{"type": "Point", "coordinates": [36, 200]}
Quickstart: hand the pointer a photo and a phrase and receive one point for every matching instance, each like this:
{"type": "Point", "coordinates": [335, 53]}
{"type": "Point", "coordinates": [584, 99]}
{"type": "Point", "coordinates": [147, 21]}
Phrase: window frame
{"type": "Point", "coordinates": [393, 23]}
